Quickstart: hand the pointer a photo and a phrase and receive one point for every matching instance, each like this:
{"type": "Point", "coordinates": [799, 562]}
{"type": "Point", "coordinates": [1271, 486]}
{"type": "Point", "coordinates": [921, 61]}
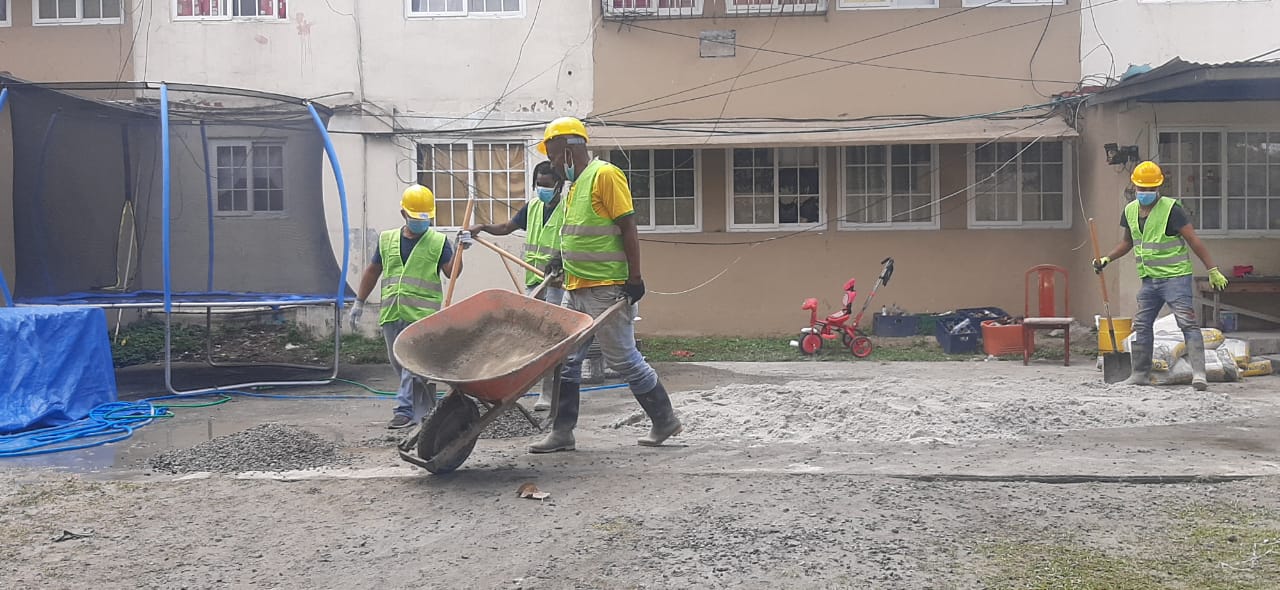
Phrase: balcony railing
{"type": "Point", "coordinates": [622, 10]}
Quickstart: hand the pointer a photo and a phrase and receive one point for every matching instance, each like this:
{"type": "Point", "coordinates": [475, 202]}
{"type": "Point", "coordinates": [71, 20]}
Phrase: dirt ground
{"type": "Point", "coordinates": [876, 475]}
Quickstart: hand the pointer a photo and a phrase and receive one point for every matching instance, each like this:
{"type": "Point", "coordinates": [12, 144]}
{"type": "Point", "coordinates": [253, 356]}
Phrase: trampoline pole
{"type": "Point", "coordinates": [332, 153]}
{"type": "Point", "coordinates": [165, 196]}
{"type": "Point", "coordinates": [4, 285]}
{"type": "Point", "coordinates": [208, 192]}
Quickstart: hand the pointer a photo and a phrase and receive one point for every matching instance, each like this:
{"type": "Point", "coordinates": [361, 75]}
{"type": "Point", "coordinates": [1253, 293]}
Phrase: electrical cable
{"type": "Point", "coordinates": [1031, 70]}
{"type": "Point", "coordinates": [646, 105]}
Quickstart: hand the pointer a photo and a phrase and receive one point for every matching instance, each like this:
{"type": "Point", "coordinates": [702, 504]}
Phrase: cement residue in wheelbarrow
{"type": "Point", "coordinates": [501, 342]}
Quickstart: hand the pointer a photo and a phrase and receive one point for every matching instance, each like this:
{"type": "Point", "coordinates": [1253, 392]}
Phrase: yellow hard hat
{"type": "Point", "coordinates": [1148, 175]}
{"type": "Point", "coordinates": [418, 202]}
{"type": "Point", "coordinates": [561, 126]}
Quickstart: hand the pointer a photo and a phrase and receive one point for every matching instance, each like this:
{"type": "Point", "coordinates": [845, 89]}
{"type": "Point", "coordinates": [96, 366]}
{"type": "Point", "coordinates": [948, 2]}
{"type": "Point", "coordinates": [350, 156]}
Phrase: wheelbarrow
{"type": "Point", "coordinates": [491, 347]}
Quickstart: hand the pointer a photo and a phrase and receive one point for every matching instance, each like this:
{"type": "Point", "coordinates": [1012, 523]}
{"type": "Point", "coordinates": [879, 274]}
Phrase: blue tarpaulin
{"type": "Point", "coordinates": [55, 365]}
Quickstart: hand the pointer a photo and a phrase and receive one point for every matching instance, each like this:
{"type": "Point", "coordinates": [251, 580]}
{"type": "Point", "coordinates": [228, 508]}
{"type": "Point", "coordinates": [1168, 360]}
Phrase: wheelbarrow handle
{"type": "Point", "coordinates": [590, 331]}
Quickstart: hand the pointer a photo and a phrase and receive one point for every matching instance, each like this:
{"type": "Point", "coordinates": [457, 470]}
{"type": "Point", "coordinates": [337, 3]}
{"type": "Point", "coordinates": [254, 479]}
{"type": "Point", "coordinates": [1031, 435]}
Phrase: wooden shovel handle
{"type": "Point", "coordinates": [457, 253]}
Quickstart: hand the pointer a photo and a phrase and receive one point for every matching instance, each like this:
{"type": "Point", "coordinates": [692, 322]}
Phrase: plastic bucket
{"type": "Point", "coordinates": [1229, 321]}
{"type": "Point", "coordinates": [1123, 327]}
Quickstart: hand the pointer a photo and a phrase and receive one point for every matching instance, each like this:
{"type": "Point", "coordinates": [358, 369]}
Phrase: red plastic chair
{"type": "Point", "coordinates": [1046, 316]}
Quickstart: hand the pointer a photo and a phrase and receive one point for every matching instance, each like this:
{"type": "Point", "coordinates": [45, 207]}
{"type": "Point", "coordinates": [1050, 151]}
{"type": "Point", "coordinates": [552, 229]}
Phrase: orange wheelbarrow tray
{"type": "Point", "coordinates": [492, 346]}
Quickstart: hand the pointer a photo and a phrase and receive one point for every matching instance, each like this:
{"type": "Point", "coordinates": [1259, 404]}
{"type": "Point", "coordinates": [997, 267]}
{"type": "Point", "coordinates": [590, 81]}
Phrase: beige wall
{"type": "Point", "coordinates": [1104, 186]}
{"type": "Point", "coordinates": [634, 65]}
{"type": "Point", "coordinates": [761, 292]}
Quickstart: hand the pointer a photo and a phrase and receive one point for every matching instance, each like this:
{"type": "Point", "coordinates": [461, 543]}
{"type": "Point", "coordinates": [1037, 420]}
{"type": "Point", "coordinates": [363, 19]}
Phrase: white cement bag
{"type": "Point", "coordinates": [1239, 350]}
{"type": "Point", "coordinates": [1180, 374]}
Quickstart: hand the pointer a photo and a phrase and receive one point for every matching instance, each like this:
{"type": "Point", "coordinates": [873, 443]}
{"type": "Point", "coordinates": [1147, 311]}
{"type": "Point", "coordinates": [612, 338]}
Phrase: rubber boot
{"type": "Point", "coordinates": [544, 395]}
{"type": "Point", "coordinates": [561, 436]}
{"type": "Point", "coordinates": [657, 404]}
{"type": "Point", "coordinates": [1195, 355]}
{"type": "Point", "coordinates": [1141, 357]}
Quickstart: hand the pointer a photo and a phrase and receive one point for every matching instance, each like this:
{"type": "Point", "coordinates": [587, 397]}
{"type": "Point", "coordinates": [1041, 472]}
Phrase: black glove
{"type": "Point", "coordinates": [555, 266]}
{"type": "Point", "coordinates": [634, 289]}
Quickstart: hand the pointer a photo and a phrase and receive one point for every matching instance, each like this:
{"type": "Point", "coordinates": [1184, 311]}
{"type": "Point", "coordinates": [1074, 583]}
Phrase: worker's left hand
{"type": "Point", "coordinates": [634, 289]}
{"type": "Point", "coordinates": [464, 238]}
{"type": "Point", "coordinates": [1216, 280]}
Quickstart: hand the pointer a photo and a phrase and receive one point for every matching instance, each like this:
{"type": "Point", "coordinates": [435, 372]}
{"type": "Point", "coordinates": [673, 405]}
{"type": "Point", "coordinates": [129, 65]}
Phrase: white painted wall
{"type": "Point", "coordinates": [415, 73]}
{"type": "Point", "coordinates": [1140, 32]}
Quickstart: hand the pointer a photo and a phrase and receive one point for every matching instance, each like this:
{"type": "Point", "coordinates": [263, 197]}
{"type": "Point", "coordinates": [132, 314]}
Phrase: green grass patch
{"type": "Point", "coordinates": [143, 342]}
{"type": "Point", "coordinates": [1205, 547]}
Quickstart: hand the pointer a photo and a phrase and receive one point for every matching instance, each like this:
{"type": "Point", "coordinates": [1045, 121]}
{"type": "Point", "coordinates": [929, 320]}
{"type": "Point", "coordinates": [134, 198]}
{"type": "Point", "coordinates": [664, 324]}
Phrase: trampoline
{"type": "Point", "coordinates": [175, 197]}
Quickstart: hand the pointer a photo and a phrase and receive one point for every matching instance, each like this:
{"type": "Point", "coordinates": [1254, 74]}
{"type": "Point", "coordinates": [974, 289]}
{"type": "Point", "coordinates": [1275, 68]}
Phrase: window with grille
{"type": "Point", "coordinates": [249, 177]}
{"type": "Point", "coordinates": [663, 185]}
{"type": "Point", "coordinates": [494, 173]}
{"type": "Point", "coordinates": [776, 187]}
{"type": "Point", "coordinates": [889, 186]}
{"type": "Point", "coordinates": [1227, 180]}
{"type": "Point", "coordinates": [466, 7]}
{"type": "Point", "coordinates": [75, 12]}
{"type": "Point", "coordinates": [229, 9]}
{"type": "Point", "coordinates": [1019, 184]}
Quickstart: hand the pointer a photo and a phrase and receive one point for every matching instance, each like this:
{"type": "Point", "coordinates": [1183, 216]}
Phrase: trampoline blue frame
{"type": "Point", "coordinates": [170, 300]}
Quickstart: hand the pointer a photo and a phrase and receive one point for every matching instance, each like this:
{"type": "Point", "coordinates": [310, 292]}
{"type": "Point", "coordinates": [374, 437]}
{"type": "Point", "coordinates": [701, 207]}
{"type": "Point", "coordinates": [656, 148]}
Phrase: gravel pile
{"type": "Point", "coordinates": [267, 447]}
{"type": "Point", "coordinates": [512, 424]}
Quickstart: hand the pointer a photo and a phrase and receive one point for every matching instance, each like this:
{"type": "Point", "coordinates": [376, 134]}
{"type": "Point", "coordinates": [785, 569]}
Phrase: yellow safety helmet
{"type": "Point", "coordinates": [1148, 175]}
{"type": "Point", "coordinates": [561, 126]}
{"type": "Point", "coordinates": [418, 202]}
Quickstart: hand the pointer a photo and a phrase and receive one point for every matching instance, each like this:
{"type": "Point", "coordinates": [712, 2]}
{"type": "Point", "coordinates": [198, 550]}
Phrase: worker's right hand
{"type": "Point", "coordinates": [1100, 263]}
{"type": "Point", "coordinates": [555, 266]}
{"type": "Point", "coordinates": [357, 310]}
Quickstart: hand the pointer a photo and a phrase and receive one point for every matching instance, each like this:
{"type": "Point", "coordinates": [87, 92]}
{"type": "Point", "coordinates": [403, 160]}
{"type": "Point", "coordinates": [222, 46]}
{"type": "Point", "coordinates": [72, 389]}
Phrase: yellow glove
{"type": "Point", "coordinates": [1216, 280]}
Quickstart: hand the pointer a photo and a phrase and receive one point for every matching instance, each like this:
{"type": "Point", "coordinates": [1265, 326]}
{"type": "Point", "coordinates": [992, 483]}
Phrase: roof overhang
{"type": "Point", "coordinates": [1180, 81]}
{"type": "Point", "coordinates": [819, 133]}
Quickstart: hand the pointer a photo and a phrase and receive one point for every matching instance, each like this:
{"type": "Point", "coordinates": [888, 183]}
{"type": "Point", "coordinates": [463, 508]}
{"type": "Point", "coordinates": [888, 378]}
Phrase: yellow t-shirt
{"type": "Point", "coordinates": [611, 199]}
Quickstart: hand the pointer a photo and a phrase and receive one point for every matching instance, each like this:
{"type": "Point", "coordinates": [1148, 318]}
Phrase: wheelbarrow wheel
{"type": "Point", "coordinates": [451, 419]}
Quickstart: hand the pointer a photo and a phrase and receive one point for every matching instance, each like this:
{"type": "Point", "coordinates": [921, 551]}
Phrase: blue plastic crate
{"type": "Point", "coordinates": [895, 326]}
{"type": "Point", "coordinates": [963, 343]}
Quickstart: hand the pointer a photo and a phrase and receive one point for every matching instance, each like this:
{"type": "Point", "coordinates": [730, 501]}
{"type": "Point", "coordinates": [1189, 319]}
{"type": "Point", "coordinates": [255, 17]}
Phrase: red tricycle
{"type": "Point", "coordinates": [838, 323]}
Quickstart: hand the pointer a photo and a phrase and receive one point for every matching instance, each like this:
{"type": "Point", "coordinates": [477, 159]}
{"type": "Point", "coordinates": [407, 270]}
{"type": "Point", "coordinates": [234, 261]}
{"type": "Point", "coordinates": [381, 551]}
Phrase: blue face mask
{"type": "Point", "coordinates": [419, 226]}
{"type": "Point", "coordinates": [1147, 198]}
{"type": "Point", "coordinates": [570, 173]}
{"type": "Point", "coordinates": [545, 194]}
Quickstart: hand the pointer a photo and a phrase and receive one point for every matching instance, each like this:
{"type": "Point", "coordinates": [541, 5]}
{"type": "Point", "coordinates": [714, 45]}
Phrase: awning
{"type": "Point", "coordinates": [1183, 81]}
{"type": "Point", "coordinates": [810, 133]}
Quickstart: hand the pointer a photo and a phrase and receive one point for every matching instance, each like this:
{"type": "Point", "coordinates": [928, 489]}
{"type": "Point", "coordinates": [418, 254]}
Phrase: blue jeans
{"type": "Point", "coordinates": [617, 338]}
{"type": "Point", "coordinates": [552, 295]}
{"type": "Point", "coordinates": [404, 394]}
{"type": "Point", "coordinates": [1154, 294]}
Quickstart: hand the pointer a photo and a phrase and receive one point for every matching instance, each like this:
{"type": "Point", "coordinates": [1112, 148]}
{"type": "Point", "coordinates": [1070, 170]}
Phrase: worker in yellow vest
{"type": "Point", "coordinates": [541, 219]}
{"type": "Point", "coordinates": [1159, 232]}
{"type": "Point", "coordinates": [600, 259]}
{"type": "Point", "coordinates": [410, 261]}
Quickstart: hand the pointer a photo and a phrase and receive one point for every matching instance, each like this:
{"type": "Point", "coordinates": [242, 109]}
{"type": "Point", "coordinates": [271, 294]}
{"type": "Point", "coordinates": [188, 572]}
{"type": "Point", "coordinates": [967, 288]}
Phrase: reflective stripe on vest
{"type": "Point", "coordinates": [540, 238]}
{"type": "Point", "coordinates": [1159, 256]}
{"type": "Point", "coordinates": [591, 245]}
{"type": "Point", "coordinates": [411, 290]}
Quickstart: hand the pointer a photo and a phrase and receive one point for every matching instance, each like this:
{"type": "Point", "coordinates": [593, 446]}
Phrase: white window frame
{"type": "Point", "coordinates": [776, 226]}
{"type": "Point", "coordinates": [1193, 2]}
{"type": "Point", "coordinates": [936, 209]}
{"type": "Point", "coordinates": [7, 21]}
{"type": "Point", "coordinates": [1068, 189]}
{"type": "Point", "coordinates": [1223, 130]}
{"type": "Point", "coordinates": [1005, 3]}
{"type": "Point", "coordinates": [78, 19]}
{"type": "Point", "coordinates": [653, 10]}
{"type": "Point", "coordinates": [472, 189]}
{"type": "Point", "coordinates": [775, 7]}
{"type": "Point", "coordinates": [882, 5]}
{"type": "Point", "coordinates": [652, 227]}
{"type": "Point", "coordinates": [465, 12]}
{"type": "Point", "coordinates": [250, 144]}
{"type": "Point", "coordinates": [228, 17]}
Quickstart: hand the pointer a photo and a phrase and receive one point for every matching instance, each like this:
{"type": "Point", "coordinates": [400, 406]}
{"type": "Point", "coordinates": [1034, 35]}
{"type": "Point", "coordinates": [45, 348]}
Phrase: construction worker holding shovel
{"type": "Point", "coordinates": [1159, 233]}
{"type": "Point", "coordinates": [541, 219]}
{"type": "Point", "coordinates": [600, 259]}
{"type": "Point", "coordinates": [410, 260]}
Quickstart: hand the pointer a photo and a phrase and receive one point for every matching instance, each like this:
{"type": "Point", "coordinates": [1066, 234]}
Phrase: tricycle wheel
{"type": "Point", "coordinates": [810, 344]}
{"type": "Point", "coordinates": [453, 417]}
{"type": "Point", "coordinates": [860, 347]}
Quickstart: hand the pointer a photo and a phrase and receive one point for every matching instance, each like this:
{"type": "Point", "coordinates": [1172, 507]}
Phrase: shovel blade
{"type": "Point", "coordinates": [1116, 367]}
